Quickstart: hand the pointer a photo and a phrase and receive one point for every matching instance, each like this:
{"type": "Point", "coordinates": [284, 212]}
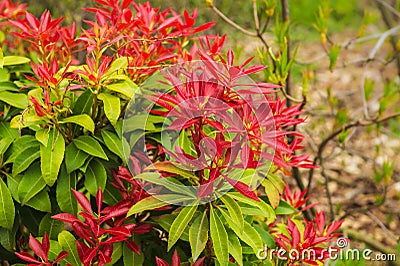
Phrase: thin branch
{"type": "Point", "coordinates": [389, 7]}
{"type": "Point", "coordinates": [359, 123]}
{"type": "Point", "coordinates": [255, 14]}
{"type": "Point", "coordinates": [232, 23]}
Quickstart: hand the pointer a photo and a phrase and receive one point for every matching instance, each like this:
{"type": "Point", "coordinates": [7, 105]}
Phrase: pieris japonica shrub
{"type": "Point", "coordinates": [157, 148]}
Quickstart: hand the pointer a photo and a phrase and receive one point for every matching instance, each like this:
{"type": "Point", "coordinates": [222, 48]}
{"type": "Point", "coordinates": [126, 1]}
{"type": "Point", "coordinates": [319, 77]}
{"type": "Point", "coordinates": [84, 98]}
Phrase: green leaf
{"type": "Point", "coordinates": [8, 237]}
{"type": "Point", "coordinates": [125, 87]}
{"type": "Point", "coordinates": [40, 202]}
{"type": "Point", "coordinates": [52, 156]}
{"type": "Point", "coordinates": [7, 209]}
{"type": "Point", "coordinates": [25, 159]}
{"type": "Point", "coordinates": [131, 258]}
{"type": "Point", "coordinates": [154, 202]}
{"type": "Point", "coordinates": [8, 86]}
{"type": "Point", "coordinates": [235, 248]}
{"type": "Point", "coordinates": [272, 193]}
{"type": "Point", "coordinates": [284, 208]}
{"type": "Point", "coordinates": [50, 226]}
{"type": "Point", "coordinates": [166, 220]}
{"type": "Point", "coordinates": [168, 183]}
{"type": "Point", "coordinates": [31, 184]}
{"type": "Point", "coordinates": [84, 103]}
{"type": "Point", "coordinates": [42, 136]}
{"type": "Point", "coordinates": [1, 58]}
{"type": "Point", "coordinates": [5, 143]}
{"type": "Point", "coordinates": [95, 177]}
{"type": "Point", "coordinates": [277, 182]}
{"type": "Point", "coordinates": [173, 169]}
{"type": "Point", "coordinates": [74, 158]}
{"type": "Point", "coordinates": [266, 237]}
{"type": "Point", "coordinates": [117, 253]}
{"type": "Point", "coordinates": [234, 211]}
{"type": "Point", "coordinates": [198, 235]}
{"type": "Point", "coordinates": [118, 64]}
{"type": "Point", "coordinates": [265, 209]}
{"type": "Point", "coordinates": [20, 145]}
{"type": "Point", "coordinates": [180, 223]}
{"type": "Point", "coordinates": [112, 107]}
{"type": "Point", "coordinates": [219, 236]}
{"type": "Point", "coordinates": [18, 100]}
{"type": "Point", "coordinates": [249, 235]}
{"type": "Point", "coordinates": [118, 146]}
{"type": "Point", "coordinates": [67, 242]}
{"type": "Point", "coordinates": [82, 120]}
{"type": "Point", "coordinates": [90, 146]}
{"type": "Point", "coordinates": [65, 199]}
{"type": "Point", "coordinates": [6, 131]}
{"type": "Point", "coordinates": [15, 60]}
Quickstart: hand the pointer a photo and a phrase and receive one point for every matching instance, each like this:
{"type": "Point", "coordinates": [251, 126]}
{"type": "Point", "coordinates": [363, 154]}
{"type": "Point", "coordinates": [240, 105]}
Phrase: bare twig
{"type": "Point", "coordinates": [389, 7]}
{"type": "Point", "coordinates": [231, 22]}
{"type": "Point", "coordinates": [359, 123]}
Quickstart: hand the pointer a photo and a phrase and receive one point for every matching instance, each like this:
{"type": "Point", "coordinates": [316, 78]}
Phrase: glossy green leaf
{"type": "Point", "coordinates": [116, 145]}
{"type": "Point", "coordinates": [198, 235]}
{"type": "Point", "coordinates": [272, 193]}
{"type": "Point", "coordinates": [153, 202]}
{"type": "Point", "coordinates": [234, 210]}
{"type": "Point", "coordinates": [31, 184]}
{"type": "Point", "coordinates": [173, 169]}
{"type": "Point", "coordinates": [235, 248]}
{"type": "Point", "coordinates": [52, 156]}
{"type": "Point", "coordinates": [65, 198]}
{"type": "Point", "coordinates": [15, 60]}
{"type": "Point", "coordinates": [168, 183]}
{"type": "Point", "coordinates": [7, 209]}
{"type": "Point", "coordinates": [90, 146]}
{"type": "Point", "coordinates": [5, 143]}
{"type": "Point", "coordinates": [95, 177]}
{"type": "Point", "coordinates": [82, 120]}
{"type": "Point", "coordinates": [6, 131]}
{"type": "Point", "coordinates": [180, 223]}
{"type": "Point", "coordinates": [117, 253]}
{"type": "Point", "coordinates": [40, 202]}
{"type": "Point", "coordinates": [20, 145]}
{"type": "Point", "coordinates": [166, 220]}
{"type": "Point", "coordinates": [25, 159]}
{"type": "Point", "coordinates": [7, 238]}
{"type": "Point", "coordinates": [249, 235]}
{"type": "Point", "coordinates": [112, 106]}
{"type": "Point", "coordinates": [8, 86]}
{"type": "Point", "coordinates": [284, 208]}
{"type": "Point", "coordinates": [67, 242]}
{"type": "Point", "coordinates": [125, 87]}
{"type": "Point", "coordinates": [118, 64]}
{"type": "Point", "coordinates": [219, 236]}
{"type": "Point", "coordinates": [50, 226]}
{"type": "Point", "coordinates": [84, 103]}
{"type": "Point", "coordinates": [18, 100]}
{"type": "Point", "coordinates": [74, 157]}
{"type": "Point", "coordinates": [265, 209]}
{"type": "Point", "coordinates": [42, 136]}
{"type": "Point", "coordinates": [131, 258]}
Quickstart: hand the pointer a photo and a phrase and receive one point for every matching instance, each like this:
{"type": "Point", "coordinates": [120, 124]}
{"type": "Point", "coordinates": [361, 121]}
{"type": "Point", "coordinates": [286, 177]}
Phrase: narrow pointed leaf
{"type": "Point", "coordinates": [219, 237]}
{"type": "Point", "coordinates": [198, 235]}
{"type": "Point", "coordinates": [180, 223]}
{"type": "Point", "coordinates": [234, 211]}
{"type": "Point", "coordinates": [7, 210]}
{"type": "Point", "coordinates": [112, 106]}
{"type": "Point", "coordinates": [95, 177]}
{"type": "Point", "coordinates": [90, 146]}
{"type": "Point", "coordinates": [52, 156]}
{"type": "Point", "coordinates": [82, 120]}
{"type": "Point", "coordinates": [67, 242]}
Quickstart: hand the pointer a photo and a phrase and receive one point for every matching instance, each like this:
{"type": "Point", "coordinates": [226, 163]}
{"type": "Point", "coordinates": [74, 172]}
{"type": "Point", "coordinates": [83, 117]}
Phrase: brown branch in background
{"type": "Point", "coordinates": [286, 19]}
{"type": "Point", "coordinates": [231, 22]}
{"type": "Point", "coordinates": [391, 20]}
{"type": "Point", "coordinates": [319, 159]}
